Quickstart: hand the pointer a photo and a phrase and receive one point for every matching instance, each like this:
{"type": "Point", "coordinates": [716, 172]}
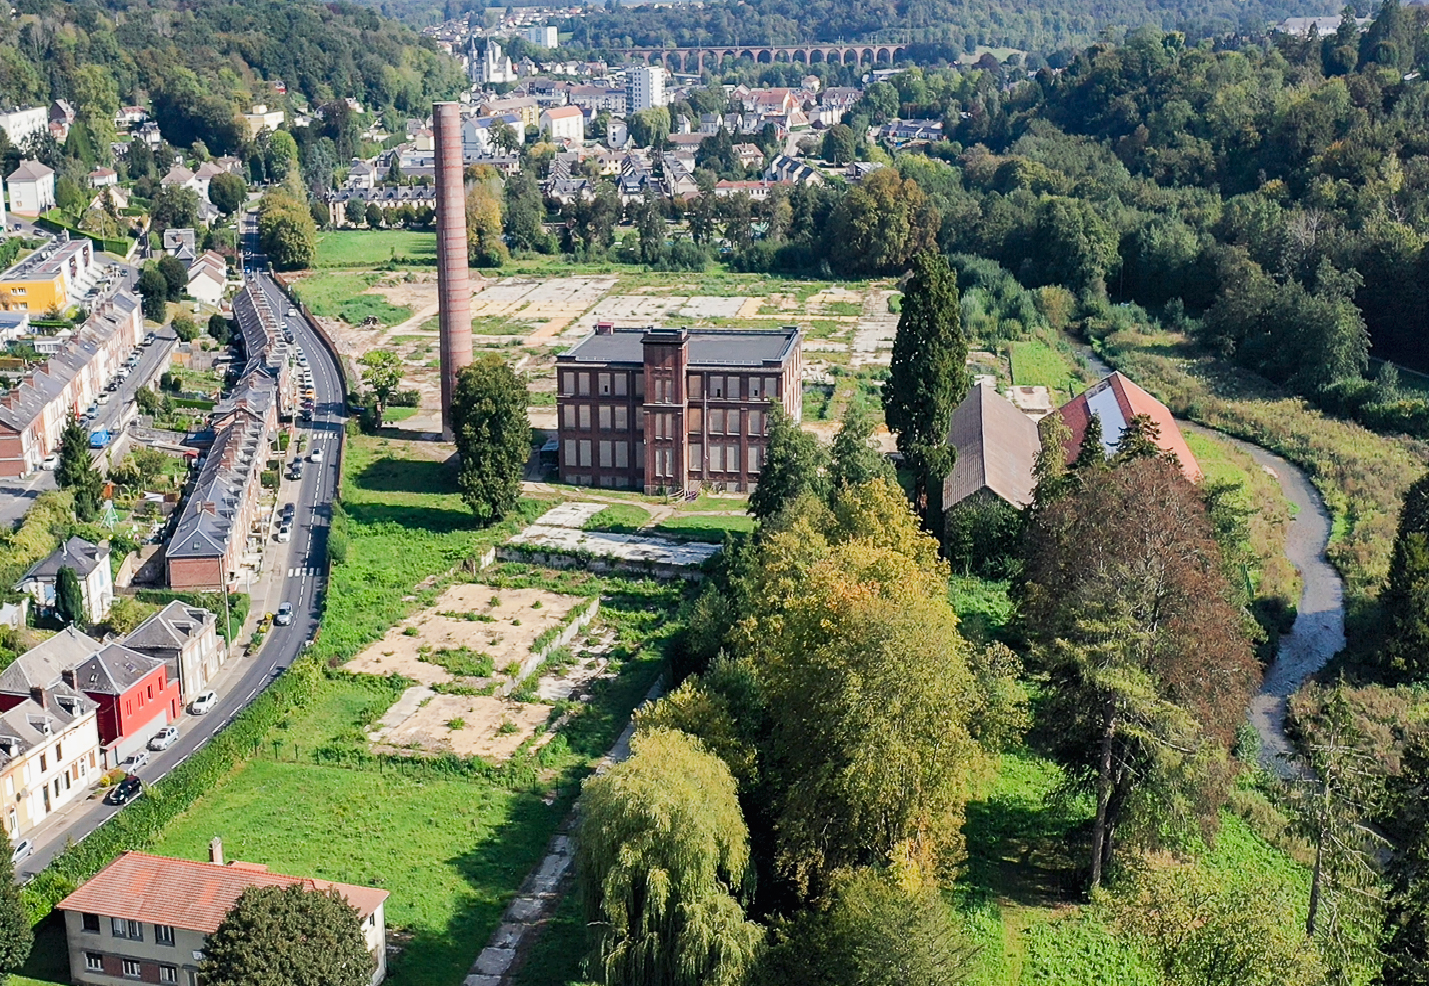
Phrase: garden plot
{"type": "Point", "coordinates": [464, 631]}
{"type": "Point", "coordinates": [464, 725]}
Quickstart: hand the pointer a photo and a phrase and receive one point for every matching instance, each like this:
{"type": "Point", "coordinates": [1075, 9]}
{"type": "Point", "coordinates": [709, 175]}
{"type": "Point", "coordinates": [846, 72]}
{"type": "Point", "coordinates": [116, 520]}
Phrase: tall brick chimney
{"type": "Point", "coordinates": [453, 287]}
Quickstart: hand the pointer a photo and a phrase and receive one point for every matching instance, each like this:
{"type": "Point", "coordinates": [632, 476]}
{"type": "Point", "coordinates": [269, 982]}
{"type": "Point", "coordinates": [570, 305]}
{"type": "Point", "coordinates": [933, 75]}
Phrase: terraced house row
{"type": "Point", "coordinates": [33, 413]}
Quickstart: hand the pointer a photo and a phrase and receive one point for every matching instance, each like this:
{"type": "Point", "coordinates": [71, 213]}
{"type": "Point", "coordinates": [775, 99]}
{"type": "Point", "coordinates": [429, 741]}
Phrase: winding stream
{"type": "Point", "coordinates": [1319, 630]}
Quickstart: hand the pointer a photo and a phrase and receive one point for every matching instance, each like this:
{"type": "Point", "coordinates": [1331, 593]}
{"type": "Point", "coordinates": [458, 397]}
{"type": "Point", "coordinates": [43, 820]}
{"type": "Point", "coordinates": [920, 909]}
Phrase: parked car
{"type": "Point", "coordinates": [284, 616]}
{"type": "Point", "coordinates": [134, 761]}
{"type": "Point", "coordinates": [23, 848]}
{"type": "Point", "coordinates": [125, 791]}
{"type": "Point", "coordinates": [148, 340]}
{"type": "Point", "coordinates": [285, 533]}
{"type": "Point", "coordinates": [296, 471]}
{"type": "Point", "coordinates": [292, 312]}
{"type": "Point", "coordinates": [51, 462]}
{"type": "Point", "coordinates": [164, 738]}
{"type": "Point", "coordinates": [102, 399]}
{"type": "Point", "coordinates": [204, 703]}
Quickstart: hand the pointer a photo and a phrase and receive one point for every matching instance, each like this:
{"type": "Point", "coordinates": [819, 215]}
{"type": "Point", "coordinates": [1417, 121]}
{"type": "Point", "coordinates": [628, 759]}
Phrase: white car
{"type": "Point", "coordinates": [285, 533]}
{"type": "Point", "coordinates": [134, 761]}
{"type": "Point", "coordinates": [164, 738]}
{"type": "Point", "coordinates": [292, 312]}
{"type": "Point", "coordinates": [317, 455]}
{"type": "Point", "coordinates": [102, 400]}
{"type": "Point", "coordinates": [203, 704]}
{"type": "Point", "coordinates": [23, 848]}
{"type": "Point", "coordinates": [51, 462]}
{"type": "Point", "coordinates": [284, 616]}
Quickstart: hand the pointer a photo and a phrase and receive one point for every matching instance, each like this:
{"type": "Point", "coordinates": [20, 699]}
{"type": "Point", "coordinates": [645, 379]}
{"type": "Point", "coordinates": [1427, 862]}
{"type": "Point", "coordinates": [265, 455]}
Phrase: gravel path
{"type": "Point", "coordinates": [1319, 630]}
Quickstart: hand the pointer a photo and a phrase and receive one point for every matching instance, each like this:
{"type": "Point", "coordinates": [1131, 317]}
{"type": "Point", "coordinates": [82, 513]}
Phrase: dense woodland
{"type": "Point", "coordinates": [959, 27]}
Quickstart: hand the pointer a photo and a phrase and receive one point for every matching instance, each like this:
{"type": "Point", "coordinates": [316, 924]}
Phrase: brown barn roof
{"type": "Point", "coordinates": [996, 447]}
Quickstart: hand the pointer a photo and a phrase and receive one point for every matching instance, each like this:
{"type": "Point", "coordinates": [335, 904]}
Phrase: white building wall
{"type": "Point", "coordinates": [19, 124]}
{"type": "Point", "coordinates": [645, 88]}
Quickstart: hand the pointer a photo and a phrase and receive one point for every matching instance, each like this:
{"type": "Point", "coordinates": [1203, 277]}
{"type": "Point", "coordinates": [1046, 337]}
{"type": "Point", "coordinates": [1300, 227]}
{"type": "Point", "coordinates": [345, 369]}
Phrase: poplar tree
{"type": "Point", "coordinates": [927, 378]}
{"type": "Point", "coordinates": [493, 436]}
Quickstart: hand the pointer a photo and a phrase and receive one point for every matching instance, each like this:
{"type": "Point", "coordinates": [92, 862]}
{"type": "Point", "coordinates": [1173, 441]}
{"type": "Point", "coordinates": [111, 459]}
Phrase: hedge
{"type": "Point", "coordinates": [141, 823]}
{"type": "Point", "coordinates": [193, 403]}
{"type": "Point", "coordinates": [119, 247]}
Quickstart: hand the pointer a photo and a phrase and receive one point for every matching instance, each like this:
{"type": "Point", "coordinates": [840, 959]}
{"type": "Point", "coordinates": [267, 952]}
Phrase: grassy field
{"type": "Point", "coordinates": [1037, 364]}
{"type": "Point", "coordinates": [366, 249]}
{"type": "Point", "coordinates": [619, 517]}
{"type": "Point", "coordinates": [402, 520]}
{"type": "Point", "coordinates": [339, 295]}
{"type": "Point", "coordinates": [982, 605]}
{"type": "Point", "coordinates": [706, 527]}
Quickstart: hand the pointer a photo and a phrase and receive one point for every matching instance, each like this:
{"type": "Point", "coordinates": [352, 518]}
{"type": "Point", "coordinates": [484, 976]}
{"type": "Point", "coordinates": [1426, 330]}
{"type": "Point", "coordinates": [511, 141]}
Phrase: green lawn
{"type": "Point", "coordinates": [619, 517]}
{"type": "Point", "coordinates": [1037, 364]}
{"type": "Point", "coordinates": [451, 852]}
{"type": "Point", "coordinates": [373, 248]}
{"type": "Point", "coordinates": [706, 527]}
{"type": "Point", "coordinates": [983, 606]}
{"type": "Point", "coordinates": [340, 295]}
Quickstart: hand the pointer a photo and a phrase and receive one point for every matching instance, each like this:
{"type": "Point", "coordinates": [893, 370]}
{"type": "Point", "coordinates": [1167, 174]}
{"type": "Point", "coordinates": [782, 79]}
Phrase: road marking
{"type": "Point", "coordinates": [304, 573]}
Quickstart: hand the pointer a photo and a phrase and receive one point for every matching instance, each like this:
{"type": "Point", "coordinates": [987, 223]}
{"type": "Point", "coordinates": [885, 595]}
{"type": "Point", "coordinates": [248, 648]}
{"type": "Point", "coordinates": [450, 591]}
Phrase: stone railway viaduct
{"type": "Point", "coordinates": [694, 59]}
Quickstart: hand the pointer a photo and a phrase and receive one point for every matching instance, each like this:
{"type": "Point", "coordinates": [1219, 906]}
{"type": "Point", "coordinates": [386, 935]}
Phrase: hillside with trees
{"type": "Point", "coordinates": [941, 27]}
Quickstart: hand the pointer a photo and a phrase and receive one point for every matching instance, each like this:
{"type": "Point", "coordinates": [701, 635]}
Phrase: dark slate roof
{"type": "Point", "coordinates": [170, 628]}
{"type": "Point", "coordinates": [43, 665]}
{"type": "Point", "coordinates": [76, 553]}
{"type": "Point", "coordinates": [30, 724]}
{"type": "Point", "coordinates": [996, 447]}
{"type": "Point", "coordinates": [113, 670]}
{"type": "Point", "coordinates": [709, 348]}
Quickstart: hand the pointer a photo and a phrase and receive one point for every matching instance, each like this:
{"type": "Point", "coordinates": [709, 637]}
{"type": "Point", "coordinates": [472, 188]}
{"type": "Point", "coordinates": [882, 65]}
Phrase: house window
{"type": "Point", "coordinates": [585, 451]}
{"type": "Point", "coordinates": [696, 385]}
{"type": "Point", "coordinates": [771, 387]}
{"type": "Point", "coordinates": [126, 929]}
{"type": "Point", "coordinates": [164, 934]}
{"type": "Point", "coordinates": [93, 962]}
{"type": "Point", "coordinates": [568, 384]}
{"type": "Point", "coordinates": [569, 411]}
{"type": "Point", "coordinates": [754, 388]}
{"type": "Point", "coordinates": [606, 455]}
{"type": "Point", "coordinates": [585, 417]}
{"type": "Point", "coordinates": [754, 458]}
{"type": "Point", "coordinates": [168, 974]}
{"type": "Point", "coordinates": [697, 455]}
{"type": "Point", "coordinates": [732, 423]}
{"type": "Point", "coordinates": [753, 419]}
{"type": "Point", "coordinates": [131, 969]}
{"type": "Point", "coordinates": [59, 754]}
{"type": "Point", "coordinates": [89, 923]}
{"type": "Point", "coordinates": [731, 457]}
{"type": "Point", "coordinates": [570, 451]}
{"type": "Point", "coordinates": [603, 383]}
{"type": "Point", "coordinates": [44, 764]}
{"type": "Point", "coordinates": [716, 422]}
{"type": "Point", "coordinates": [622, 455]}
{"type": "Point", "coordinates": [732, 387]}
{"type": "Point", "coordinates": [716, 386]}
{"type": "Point", "coordinates": [716, 458]}
{"type": "Point", "coordinates": [603, 413]}
{"type": "Point", "coordinates": [583, 380]}
{"type": "Point", "coordinates": [622, 419]}
{"type": "Point", "coordinates": [639, 385]}
{"type": "Point", "coordinates": [621, 383]}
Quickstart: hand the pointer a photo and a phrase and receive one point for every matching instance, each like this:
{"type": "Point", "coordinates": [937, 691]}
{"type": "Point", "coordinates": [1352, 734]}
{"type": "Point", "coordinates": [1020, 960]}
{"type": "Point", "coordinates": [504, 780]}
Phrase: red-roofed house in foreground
{"type": "Point", "coordinates": [146, 918]}
{"type": "Point", "coordinates": [1116, 400]}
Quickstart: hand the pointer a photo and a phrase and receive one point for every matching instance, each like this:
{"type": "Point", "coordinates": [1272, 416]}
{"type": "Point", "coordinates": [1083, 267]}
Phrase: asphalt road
{"type": "Point", "coordinates": [298, 581]}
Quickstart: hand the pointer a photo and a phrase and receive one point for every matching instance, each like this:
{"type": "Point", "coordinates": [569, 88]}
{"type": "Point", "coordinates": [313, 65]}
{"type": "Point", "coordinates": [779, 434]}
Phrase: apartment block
{"type": "Point", "coordinates": [661, 409]}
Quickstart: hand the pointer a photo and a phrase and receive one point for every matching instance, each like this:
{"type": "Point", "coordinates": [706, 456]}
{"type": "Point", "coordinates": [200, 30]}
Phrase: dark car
{"type": "Point", "coordinates": [125, 791]}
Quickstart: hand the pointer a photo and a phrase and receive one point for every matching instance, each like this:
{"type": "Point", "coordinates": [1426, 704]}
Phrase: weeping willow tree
{"type": "Point", "coordinates": [663, 859]}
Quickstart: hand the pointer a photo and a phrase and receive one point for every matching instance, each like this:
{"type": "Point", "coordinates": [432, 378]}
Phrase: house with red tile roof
{"type": "Point", "coordinates": [1116, 400]}
{"type": "Point", "coordinates": [146, 918]}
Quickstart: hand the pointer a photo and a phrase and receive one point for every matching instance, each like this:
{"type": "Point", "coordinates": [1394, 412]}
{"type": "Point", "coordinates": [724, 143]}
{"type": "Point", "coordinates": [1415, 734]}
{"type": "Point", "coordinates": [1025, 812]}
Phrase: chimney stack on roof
{"type": "Point", "coordinates": [215, 851]}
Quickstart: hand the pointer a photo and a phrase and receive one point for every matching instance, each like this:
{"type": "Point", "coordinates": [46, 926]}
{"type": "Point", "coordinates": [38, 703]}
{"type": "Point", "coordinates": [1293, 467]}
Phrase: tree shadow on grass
{"type": "Point", "coordinates": [438, 520]}
{"type": "Point", "coordinates": [393, 475]}
{"type": "Point", "coordinates": [495, 870]}
{"type": "Point", "coordinates": [1027, 846]}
